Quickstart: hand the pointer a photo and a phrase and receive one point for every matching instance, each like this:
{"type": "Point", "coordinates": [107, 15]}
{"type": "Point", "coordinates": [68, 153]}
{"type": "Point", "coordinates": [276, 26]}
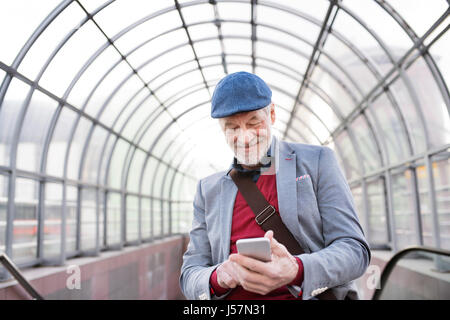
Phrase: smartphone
{"type": "Point", "coordinates": [256, 248]}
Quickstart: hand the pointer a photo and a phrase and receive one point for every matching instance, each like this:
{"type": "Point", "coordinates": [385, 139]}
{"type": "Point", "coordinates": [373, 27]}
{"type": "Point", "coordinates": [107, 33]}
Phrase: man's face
{"type": "Point", "coordinates": [249, 134]}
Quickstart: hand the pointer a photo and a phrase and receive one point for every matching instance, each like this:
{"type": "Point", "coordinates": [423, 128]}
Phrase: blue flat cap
{"type": "Point", "coordinates": [239, 92]}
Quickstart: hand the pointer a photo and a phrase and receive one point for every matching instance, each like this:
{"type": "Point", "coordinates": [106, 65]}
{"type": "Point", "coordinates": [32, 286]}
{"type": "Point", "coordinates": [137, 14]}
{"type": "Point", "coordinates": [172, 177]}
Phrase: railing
{"type": "Point", "coordinates": [11, 267]}
{"type": "Point", "coordinates": [393, 261]}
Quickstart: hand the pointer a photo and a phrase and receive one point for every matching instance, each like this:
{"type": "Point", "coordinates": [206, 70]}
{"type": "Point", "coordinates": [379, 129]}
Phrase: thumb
{"type": "Point", "coordinates": [275, 246]}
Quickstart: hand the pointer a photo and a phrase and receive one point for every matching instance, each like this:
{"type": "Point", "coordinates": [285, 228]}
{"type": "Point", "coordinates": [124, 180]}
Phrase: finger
{"type": "Point", "coordinates": [253, 282]}
{"type": "Point", "coordinates": [251, 264]}
{"type": "Point", "coordinates": [250, 277]}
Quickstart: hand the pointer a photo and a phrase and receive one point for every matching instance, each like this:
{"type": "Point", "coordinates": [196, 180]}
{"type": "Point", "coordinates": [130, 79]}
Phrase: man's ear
{"type": "Point", "coordinates": [272, 113]}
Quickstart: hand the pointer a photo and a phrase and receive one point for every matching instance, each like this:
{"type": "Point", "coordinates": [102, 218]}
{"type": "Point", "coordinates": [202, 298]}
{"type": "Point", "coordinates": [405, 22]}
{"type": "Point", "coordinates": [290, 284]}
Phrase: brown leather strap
{"type": "Point", "coordinates": [268, 218]}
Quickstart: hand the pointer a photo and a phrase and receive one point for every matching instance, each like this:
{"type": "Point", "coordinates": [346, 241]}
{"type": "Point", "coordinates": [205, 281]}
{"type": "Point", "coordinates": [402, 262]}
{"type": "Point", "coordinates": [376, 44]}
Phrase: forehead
{"type": "Point", "coordinates": [244, 116]}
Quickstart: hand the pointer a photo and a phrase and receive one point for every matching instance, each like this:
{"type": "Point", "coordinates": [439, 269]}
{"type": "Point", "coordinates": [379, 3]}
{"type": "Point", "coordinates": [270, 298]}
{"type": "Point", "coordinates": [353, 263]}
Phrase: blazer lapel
{"type": "Point", "coordinates": [286, 187]}
{"type": "Point", "coordinates": [228, 191]}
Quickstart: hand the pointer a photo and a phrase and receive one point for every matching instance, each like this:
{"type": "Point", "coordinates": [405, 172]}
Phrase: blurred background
{"type": "Point", "coordinates": [105, 130]}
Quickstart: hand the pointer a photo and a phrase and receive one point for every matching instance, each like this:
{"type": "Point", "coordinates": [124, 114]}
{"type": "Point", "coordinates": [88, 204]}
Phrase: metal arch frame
{"type": "Point", "coordinates": [418, 109]}
{"type": "Point", "coordinates": [94, 123]}
{"type": "Point", "coordinates": [368, 122]}
{"type": "Point", "coordinates": [446, 97]}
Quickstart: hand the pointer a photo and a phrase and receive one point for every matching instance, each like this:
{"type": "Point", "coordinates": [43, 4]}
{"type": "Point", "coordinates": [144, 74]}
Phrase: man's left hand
{"type": "Point", "coordinates": [264, 277]}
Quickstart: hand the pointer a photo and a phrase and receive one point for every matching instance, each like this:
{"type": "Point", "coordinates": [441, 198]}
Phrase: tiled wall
{"type": "Point", "coordinates": [148, 271]}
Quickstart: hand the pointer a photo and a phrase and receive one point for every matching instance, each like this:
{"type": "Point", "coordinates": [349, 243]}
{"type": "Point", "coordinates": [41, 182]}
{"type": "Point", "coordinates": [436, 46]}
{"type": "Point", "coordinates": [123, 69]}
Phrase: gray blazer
{"type": "Point", "coordinates": [315, 203]}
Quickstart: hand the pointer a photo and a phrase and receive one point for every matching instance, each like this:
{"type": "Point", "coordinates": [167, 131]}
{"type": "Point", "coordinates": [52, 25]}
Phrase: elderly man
{"type": "Point", "coordinates": [306, 188]}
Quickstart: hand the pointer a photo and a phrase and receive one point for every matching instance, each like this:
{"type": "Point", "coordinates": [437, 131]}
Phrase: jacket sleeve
{"type": "Point", "coordinates": [346, 254]}
{"type": "Point", "coordinates": [197, 261]}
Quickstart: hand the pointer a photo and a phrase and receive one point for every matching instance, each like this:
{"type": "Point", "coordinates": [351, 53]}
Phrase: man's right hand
{"type": "Point", "coordinates": [226, 275]}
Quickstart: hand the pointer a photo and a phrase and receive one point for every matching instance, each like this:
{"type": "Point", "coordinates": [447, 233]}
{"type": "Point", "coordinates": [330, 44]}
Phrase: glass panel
{"type": "Point", "coordinates": [88, 219]}
{"type": "Point", "coordinates": [287, 21]}
{"type": "Point", "coordinates": [382, 24]}
{"type": "Point", "coordinates": [164, 70]}
{"type": "Point", "coordinates": [9, 111]}
{"type": "Point", "coordinates": [139, 119]}
{"type": "Point", "coordinates": [237, 46]}
{"type": "Point", "coordinates": [93, 155]}
{"type": "Point", "coordinates": [391, 129]}
{"type": "Point", "coordinates": [135, 172]}
{"type": "Point", "coordinates": [3, 211]}
{"type": "Point", "coordinates": [206, 48]}
{"type": "Point", "coordinates": [52, 224]}
{"type": "Point", "coordinates": [378, 228]}
{"type": "Point", "coordinates": [441, 175]}
{"type": "Point", "coordinates": [60, 72]}
{"type": "Point", "coordinates": [321, 106]}
{"type": "Point", "coordinates": [312, 122]}
{"type": "Point", "coordinates": [158, 46]}
{"type": "Point", "coordinates": [425, 208]}
{"type": "Point", "coordinates": [403, 201]}
{"type": "Point", "coordinates": [145, 218]}
{"type": "Point", "coordinates": [161, 120]}
{"type": "Point", "coordinates": [90, 78]}
{"type": "Point", "coordinates": [352, 166]}
{"type": "Point", "coordinates": [113, 219]}
{"type": "Point", "coordinates": [439, 51]}
{"type": "Point", "coordinates": [269, 51]}
{"type": "Point", "coordinates": [358, 198]}
{"type": "Point", "coordinates": [107, 18]}
{"type": "Point", "coordinates": [148, 178]}
{"type": "Point", "coordinates": [58, 145]}
{"type": "Point", "coordinates": [71, 219]}
{"type": "Point", "coordinates": [342, 98]}
{"type": "Point", "coordinates": [76, 149]}
{"type": "Point", "coordinates": [412, 118]}
{"type": "Point", "coordinates": [363, 40]}
{"type": "Point", "coordinates": [158, 180]}
{"type": "Point", "coordinates": [366, 144]}
{"type": "Point", "coordinates": [101, 219]}
{"type": "Point", "coordinates": [166, 218]}
{"type": "Point", "coordinates": [277, 79]}
{"type": "Point", "coordinates": [418, 275]}
{"type": "Point", "coordinates": [108, 87]}
{"type": "Point", "coordinates": [148, 30]}
{"type": "Point", "coordinates": [202, 12]}
{"type": "Point", "coordinates": [234, 11]}
{"type": "Point", "coordinates": [182, 81]}
{"type": "Point", "coordinates": [23, 17]}
{"type": "Point", "coordinates": [236, 29]}
{"type": "Point", "coordinates": [316, 9]}
{"type": "Point", "coordinates": [419, 14]}
{"type": "Point", "coordinates": [132, 216]}
{"type": "Point", "coordinates": [64, 23]}
{"type": "Point", "coordinates": [157, 220]}
{"type": "Point", "coordinates": [117, 163]}
{"type": "Point", "coordinates": [363, 78]}
{"type": "Point", "coordinates": [430, 98]}
{"type": "Point", "coordinates": [134, 105]}
{"type": "Point", "coordinates": [34, 130]}
{"type": "Point", "coordinates": [25, 227]}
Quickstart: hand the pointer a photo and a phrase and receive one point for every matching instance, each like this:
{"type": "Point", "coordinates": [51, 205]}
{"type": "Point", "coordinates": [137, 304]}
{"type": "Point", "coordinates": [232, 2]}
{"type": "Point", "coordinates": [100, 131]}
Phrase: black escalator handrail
{"type": "Point", "coordinates": [396, 257]}
{"type": "Point", "coordinates": [12, 268]}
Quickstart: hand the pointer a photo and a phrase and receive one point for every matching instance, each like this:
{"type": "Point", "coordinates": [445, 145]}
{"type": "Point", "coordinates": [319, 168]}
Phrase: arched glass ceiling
{"type": "Point", "coordinates": [105, 127]}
